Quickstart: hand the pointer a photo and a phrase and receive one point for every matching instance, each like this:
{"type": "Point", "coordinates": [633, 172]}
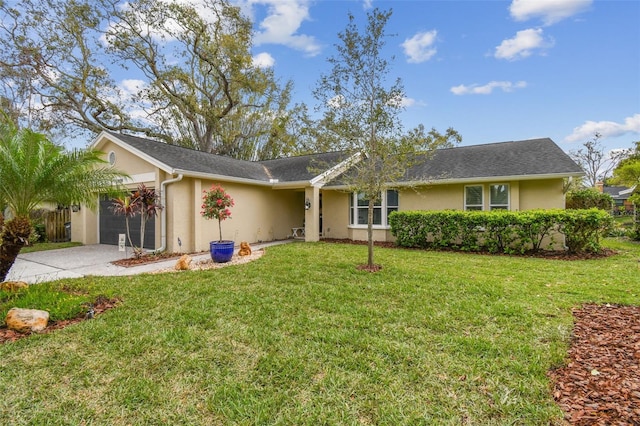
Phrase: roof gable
{"type": "Point", "coordinates": [177, 159]}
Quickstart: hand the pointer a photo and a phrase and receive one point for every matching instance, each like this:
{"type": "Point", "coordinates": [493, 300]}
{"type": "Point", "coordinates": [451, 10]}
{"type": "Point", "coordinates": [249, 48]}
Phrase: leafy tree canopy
{"type": "Point", "coordinates": [192, 78]}
{"type": "Point", "coordinates": [361, 113]}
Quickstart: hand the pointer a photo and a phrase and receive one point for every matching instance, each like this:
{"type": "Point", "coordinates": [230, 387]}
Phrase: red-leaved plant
{"type": "Point", "coordinates": [144, 202]}
{"type": "Point", "coordinates": [215, 205]}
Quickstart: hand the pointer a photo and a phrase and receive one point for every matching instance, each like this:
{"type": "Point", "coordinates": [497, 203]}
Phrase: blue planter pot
{"type": "Point", "coordinates": [221, 251]}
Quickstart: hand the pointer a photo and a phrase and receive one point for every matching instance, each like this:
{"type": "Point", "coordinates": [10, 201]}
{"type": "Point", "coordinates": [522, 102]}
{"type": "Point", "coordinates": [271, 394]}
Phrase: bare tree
{"type": "Point", "coordinates": [595, 161]}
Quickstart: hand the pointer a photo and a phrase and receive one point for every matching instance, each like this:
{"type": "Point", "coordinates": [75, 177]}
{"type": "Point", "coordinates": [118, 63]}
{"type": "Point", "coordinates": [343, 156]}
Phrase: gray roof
{"type": "Point", "coordinates": [289, 169]}
{"type": "Point", "coordinates": [303, 167]}
{"type": "Point", "coordinates": [615, 192]}
{"type": "Point", "coordinates": [534, 157]}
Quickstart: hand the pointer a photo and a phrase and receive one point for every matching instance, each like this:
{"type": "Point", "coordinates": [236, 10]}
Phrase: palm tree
{"type": "Point", "coordinates": [33, 171]}
{"type": "Point", "coordinates": [144, 202]}
{"type": "Point", "coordinates": [126, 206]}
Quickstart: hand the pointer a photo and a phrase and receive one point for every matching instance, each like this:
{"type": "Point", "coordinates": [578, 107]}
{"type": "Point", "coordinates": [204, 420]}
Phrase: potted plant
{"type": "Point", "coordinates": [215, 205]}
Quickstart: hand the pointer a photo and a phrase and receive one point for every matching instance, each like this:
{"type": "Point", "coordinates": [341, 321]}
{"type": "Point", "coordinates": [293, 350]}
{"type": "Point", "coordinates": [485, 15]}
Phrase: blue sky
{"type": "Point", "coordinates": [493, 70]}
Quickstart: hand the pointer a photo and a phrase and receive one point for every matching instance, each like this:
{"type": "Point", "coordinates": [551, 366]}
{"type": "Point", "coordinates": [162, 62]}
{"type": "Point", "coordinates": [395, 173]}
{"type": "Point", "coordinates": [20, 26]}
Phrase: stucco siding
{"type": "Point", "coordinates": [259, 214]}
{"type": "Point", "coordinates": [335, 214]}
{"type": "Point", "coordinates": [126, 161]}
{"type": "Point", "coordinates": [179, 207]}
{"type": "Point", "coordinates": [541, 194]}
{"type": "Point", "coordinates": [432, 197]}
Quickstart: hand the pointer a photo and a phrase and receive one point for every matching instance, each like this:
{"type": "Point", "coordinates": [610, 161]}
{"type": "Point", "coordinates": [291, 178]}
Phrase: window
{"type": "Point", "coordinates": [473, 197]}
{"type": "Point", "coordinates": [499, 198]}
{"type": "Point", "coordinates": [359, 206]}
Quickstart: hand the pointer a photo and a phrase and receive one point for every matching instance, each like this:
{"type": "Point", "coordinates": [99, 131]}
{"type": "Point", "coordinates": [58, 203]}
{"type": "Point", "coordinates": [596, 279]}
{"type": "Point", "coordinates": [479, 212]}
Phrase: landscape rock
{"type": "Point", "coordinates": [13, 285]}
{"type": "Point", "coordinates": [184, 263]}
{"type": "Point", "coordinates": [245, 249]}
{"type": "Point", "coordinates": [25, 320]}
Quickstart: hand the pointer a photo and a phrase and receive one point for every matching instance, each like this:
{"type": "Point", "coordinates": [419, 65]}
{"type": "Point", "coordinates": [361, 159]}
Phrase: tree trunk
{"type": "Point", "coordinates": [370, 234]}
{"type": "Point", "coordinates": [14, 235]}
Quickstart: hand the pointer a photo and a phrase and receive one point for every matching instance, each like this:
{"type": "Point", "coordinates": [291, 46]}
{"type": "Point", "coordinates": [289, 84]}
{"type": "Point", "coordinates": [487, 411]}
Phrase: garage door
{"type": "Point", "coordinates": [112, 225]}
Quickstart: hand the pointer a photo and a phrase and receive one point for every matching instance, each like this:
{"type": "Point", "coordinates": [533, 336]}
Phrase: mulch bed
{"type": "Point", "coordinates": [600, 385]}
{"type": "Point", "coordinates": [102, 304]}
{"type": "Point", "coordinates": [147, 258]}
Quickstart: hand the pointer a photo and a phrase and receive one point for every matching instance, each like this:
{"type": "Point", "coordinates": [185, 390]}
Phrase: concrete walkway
{"type": "Point", "coordinates": [82, 261]}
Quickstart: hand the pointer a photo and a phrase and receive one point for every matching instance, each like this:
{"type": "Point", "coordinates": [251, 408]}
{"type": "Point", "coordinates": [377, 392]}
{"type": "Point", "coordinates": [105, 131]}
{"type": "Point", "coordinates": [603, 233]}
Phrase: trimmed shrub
{"type": "Point", "coordinates": [500, 231]}
{"type": "Point", "coordinates": [588, 198]}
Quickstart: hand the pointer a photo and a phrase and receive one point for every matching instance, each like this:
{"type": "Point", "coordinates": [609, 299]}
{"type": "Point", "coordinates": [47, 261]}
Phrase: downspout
{"type": "Point", "coordinates": [163, 212]}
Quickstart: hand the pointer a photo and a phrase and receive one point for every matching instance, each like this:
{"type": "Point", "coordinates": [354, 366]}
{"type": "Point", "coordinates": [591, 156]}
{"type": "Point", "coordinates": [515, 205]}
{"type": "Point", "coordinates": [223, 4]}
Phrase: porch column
{"type": "Point", "coordinates": [312, 215]}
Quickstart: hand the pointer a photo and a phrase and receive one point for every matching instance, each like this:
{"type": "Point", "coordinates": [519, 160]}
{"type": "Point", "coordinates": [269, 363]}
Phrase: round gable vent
{"type": "Point", "coordinates": [112, 158]}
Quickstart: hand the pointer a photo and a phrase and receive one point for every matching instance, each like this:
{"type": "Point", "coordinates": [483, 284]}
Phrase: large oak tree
{"type": "Point", "coordinates": [190, 77]}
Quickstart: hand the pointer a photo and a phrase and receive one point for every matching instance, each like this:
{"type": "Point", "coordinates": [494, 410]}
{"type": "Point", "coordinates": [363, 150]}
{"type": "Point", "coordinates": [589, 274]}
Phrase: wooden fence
{"type": "Point", "coordinates": [57, 224]}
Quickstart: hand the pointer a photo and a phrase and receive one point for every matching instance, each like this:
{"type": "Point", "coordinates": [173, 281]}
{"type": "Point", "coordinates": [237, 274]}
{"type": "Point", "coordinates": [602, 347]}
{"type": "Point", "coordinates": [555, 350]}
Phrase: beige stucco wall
{"type": "Point", "coordinates": [259, 214]}
{"type": "Point", "coordinates": [542, 194]}
{"type": "Point", "coordinates": [335, 214]}
{"type": "Point", "coordinates": [126, 161]}
{"type": "Point", "coordinates": [523, 195]}
{"type": "Point", "coordinates": [84, 225]}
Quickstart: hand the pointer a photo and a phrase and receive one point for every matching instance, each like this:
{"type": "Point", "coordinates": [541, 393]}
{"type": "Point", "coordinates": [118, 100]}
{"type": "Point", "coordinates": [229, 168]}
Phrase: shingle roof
{"type": "Point", "coordinates": [615, 192]}
{"type": "Point", "coordinates": [180, 158]}
{"type": "Point", "coordinates": [534, 157]}
{"type": "Point", "coordinates": [303, 167]}
{"type": "Point", "coordinates": [504, 159]}
{"type": "Point", "coordinates": [289, 169]}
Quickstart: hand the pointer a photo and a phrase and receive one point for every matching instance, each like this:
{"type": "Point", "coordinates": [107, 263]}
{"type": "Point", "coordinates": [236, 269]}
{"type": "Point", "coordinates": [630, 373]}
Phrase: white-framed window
{"type": "Point", "coordinates": [498, 193]}
{"type": "Point", "coordinates": [359, 206]}
{"type": "Point", "coordinates": [473, 197]}
{"type": "Point", "coordinates": [499, 197]}
{"type": "Point", "coordinates": [112, 158]}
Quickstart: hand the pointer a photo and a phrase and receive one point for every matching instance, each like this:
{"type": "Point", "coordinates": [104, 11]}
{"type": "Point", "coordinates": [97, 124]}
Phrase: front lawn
{"type": "Point", "coordinates": [302, 337]}
{"type": "Point", "coordinates": [48, 246]}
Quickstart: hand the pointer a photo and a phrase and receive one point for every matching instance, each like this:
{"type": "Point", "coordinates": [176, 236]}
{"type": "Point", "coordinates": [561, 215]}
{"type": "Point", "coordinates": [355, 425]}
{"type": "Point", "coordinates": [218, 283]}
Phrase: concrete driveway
{"type": "Point", "coordinates": [76, 262]}
{"type": "Point", "coordinates": [82, 261]}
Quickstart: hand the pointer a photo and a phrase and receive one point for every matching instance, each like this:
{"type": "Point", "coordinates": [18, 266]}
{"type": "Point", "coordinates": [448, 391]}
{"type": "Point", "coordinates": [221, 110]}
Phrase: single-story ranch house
{"type": "Point", "coordinates": [288, 197]}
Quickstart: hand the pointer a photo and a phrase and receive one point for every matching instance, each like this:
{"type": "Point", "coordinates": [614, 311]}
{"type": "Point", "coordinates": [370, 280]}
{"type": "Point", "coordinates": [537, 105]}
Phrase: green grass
{"type": "Point", "coordinates": [60, 304]}
{"type": "Point", "coordinates": [48, 246]}
{"type": "Point", "coordinates": [301, 337]}
{"type": "Point", "coordinates": [624, 221]}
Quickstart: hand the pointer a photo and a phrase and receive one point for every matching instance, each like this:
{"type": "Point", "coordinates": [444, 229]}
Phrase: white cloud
{"type": "Point", "coordinates": [419, 48]}
{"type": "Point", "coordinates": [282, 24]}
{"type": "Point", "coordinates": [408, 102]}
{"type": "Point", "coordinates": [487, 89]}
{"type": "Point", "coordinates": [522, 45]}
{"type": "Point", "coordinates": [130, 87]}
{"type": "Point", "coordinates": [550, 11]}
{"type": "Point", "coordinates": [367, 4]}
{"type": "Point", "coordinates": [605, 128]}
{"type": "Point", "coordinates": [337, 102]}
{"type": "Point", "coordinates": [263, 60]}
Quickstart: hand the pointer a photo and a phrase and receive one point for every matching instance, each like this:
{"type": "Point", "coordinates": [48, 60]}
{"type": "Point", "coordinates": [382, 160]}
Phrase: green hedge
{"type": "Point", "coordinates": [588, 198]}
{"type": "Point", "coordinates": [501, 231]}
